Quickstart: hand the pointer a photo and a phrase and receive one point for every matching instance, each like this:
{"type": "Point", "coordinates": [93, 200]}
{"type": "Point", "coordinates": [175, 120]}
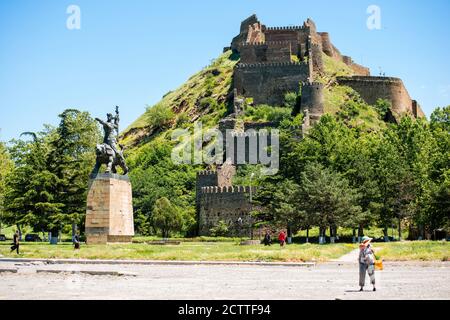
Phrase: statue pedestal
{"type": "Point", "coordinates": [109, 214]}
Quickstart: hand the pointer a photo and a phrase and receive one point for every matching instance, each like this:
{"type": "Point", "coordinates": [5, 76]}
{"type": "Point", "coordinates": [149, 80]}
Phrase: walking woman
{"type": "Point", "coordinates": [282, 238]}
{"type": "Point", "coordinates": [366, 263]}
{"type": "Point", "coordinates": [16, 242]}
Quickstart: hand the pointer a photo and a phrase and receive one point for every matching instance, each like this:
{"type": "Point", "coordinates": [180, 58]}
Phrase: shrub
{"type": "Point", "coordinates": [182, 120]}
{"type": "Point", "coordinates": [290, 100]}
{"type": "Point", "coordinates": [383, 106]}
{"type": "Point", "coordinates": [268, 113]}
{"type": "Point", "coordinates": [220, 230]}
{"type": "Point", "coordinates": [208, 103]}
{"type": "Point", "coordinates": [159, 116]}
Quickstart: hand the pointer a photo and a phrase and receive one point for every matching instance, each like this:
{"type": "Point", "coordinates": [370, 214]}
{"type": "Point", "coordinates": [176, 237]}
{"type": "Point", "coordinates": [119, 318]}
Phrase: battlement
{"type": "Point", "coordinates": [312, 84]}
{"type": "Point", "coordinates": [269, 65]}
{"type": "Point", "coordinates": [249, 134]}
{"type": "Point", "coordinates": [288, 28]}
{"type": "Point", "coordinates": [230, 189]}
{"type": "Point", "coordinates": [206, 173]}
{"type": "Point", "coordinates": [267, 43]}
{"type": "Point", "coordinates": [370, 79]}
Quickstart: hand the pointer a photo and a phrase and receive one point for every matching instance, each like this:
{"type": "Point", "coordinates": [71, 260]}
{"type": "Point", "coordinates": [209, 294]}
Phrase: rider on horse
{"type": "Point", "coordinates": [110, 127]}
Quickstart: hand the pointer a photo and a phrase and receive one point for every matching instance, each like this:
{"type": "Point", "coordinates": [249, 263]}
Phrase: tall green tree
{"type": "Point", "coordinates": [71, 159]}
{"type": "Point", "coordinates": [6, 166]}
{"type": "Point", "coordinates": [30, 188]}
{"type": "Point", "coordinates": [48, 186]}
{"type": "Point", "coordinates": [166, 217]}
{"type": "Point", "coordinates": [279, 204]}
{"type": "Point", "coordinates": [327, 197]}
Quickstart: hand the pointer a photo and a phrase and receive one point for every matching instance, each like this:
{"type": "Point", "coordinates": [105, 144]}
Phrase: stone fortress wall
{"type": "Point", "coordinates": [228, 204]}
{"type": "Point", "coordinates": [218, 200]}
{"type": "Point", "coordinates": [373, 88]}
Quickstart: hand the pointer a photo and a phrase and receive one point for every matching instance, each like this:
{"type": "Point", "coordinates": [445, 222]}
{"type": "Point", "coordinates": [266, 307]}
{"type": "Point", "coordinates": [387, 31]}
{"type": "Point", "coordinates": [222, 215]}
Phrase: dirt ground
{"type": "Point", "coordinates": [335, 280]}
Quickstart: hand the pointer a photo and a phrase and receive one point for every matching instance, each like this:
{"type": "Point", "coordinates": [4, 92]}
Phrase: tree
{"type": "Point", "coordinates": [48, 186]}
{"type": "Point", "coordinates": [6, 166]}
{"type": "Point", "coordinates": [30, 188]}
{"type": "Point", "coordinates": [71, 159]}
{"type": "Point", "coordinates": [166, 217]}
{"type": "Point", "coordinates": [154, 176]}
{"type": "Point", "coordinates": [327, 197]}
{"type": "Point", "coordinates": [278, 200]}
{"type": "Point", "coordinates": [220, 230]}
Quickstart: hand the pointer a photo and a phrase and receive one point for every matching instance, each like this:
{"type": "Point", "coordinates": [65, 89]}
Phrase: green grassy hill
{"type": "Point", "coordinates": [207, 97]}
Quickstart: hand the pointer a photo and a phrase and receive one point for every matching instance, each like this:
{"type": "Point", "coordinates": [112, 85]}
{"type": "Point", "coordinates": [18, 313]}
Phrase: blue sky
{"type": "Point", "coordinates": [130, 53]}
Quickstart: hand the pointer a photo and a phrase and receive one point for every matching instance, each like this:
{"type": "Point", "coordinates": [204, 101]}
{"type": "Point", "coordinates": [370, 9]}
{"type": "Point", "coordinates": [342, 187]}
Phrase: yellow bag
{"type": "Point", "coordinates": [379, 265]}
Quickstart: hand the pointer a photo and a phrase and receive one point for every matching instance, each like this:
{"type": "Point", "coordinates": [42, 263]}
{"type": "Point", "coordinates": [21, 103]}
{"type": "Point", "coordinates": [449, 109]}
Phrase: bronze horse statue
{"type": "Point", "coordinates": [106, 155]}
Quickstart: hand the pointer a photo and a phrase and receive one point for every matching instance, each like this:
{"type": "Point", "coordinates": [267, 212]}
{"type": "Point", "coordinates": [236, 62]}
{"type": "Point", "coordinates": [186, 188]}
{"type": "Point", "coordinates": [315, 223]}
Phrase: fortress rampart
{"type": "Point", "coordinates": [392, 89]}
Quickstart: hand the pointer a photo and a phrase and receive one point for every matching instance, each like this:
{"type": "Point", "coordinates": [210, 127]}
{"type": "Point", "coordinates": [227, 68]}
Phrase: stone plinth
{"type": "Point", "coordinates": [109, 214]}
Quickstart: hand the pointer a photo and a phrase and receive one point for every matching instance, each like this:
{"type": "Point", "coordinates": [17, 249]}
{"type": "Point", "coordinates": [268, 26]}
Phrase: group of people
{"type": "Point", "coordinates": [281, 239]}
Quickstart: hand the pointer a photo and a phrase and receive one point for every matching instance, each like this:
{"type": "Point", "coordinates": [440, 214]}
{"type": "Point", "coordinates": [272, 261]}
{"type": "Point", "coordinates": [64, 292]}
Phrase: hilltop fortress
{"type": "Point", "coordinates": [273, 62]}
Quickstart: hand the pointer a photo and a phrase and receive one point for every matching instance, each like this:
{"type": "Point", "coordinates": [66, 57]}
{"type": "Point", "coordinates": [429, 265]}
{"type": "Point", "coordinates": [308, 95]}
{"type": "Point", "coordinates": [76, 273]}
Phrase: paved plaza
{"type": "Point", "coordinates": [329, 281]}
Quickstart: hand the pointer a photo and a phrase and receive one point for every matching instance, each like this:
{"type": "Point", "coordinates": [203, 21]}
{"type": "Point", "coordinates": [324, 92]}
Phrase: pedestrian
{"type": "Point", "coordinates": [366, 263]}
{"type": "Point", "coordinates": [282, 238]}
{"type": "Point", "coordinates": [76, 241]}
{"type": "Point", "coordinates": [16, 243]}
{"type": "Point", "coordinates": [267, 239]}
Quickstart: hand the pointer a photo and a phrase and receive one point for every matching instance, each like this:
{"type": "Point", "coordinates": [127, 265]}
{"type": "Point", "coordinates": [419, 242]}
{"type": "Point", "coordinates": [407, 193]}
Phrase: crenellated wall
{"type": "Point", "coordinates": [228, 204]}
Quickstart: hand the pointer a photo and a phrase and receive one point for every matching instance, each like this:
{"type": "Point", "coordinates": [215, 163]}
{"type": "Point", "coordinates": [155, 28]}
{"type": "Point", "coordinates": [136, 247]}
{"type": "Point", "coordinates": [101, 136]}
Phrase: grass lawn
{"type": "Point", "coordinates": [192, 251]}
{"type": "Point", "coordinates": [200, 249]}
{"type": "Point", "coordinates": [413, 250]}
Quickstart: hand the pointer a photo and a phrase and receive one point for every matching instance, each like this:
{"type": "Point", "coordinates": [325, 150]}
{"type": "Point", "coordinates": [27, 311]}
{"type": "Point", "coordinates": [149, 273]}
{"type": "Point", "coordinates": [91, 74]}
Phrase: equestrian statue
{"type": "Point", "coordinates": [108, 153]}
